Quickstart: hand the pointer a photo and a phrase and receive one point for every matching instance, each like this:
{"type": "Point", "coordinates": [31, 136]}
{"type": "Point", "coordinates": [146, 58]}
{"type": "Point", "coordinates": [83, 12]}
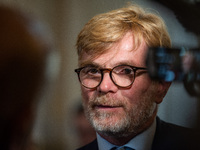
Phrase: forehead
{"type": "Point", "coordinates": [121, 52]}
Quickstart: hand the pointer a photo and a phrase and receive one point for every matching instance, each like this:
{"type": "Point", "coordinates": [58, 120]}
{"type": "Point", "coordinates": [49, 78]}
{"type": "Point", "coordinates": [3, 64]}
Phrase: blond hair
{"type": "Point", "coordinates": [103, 30]}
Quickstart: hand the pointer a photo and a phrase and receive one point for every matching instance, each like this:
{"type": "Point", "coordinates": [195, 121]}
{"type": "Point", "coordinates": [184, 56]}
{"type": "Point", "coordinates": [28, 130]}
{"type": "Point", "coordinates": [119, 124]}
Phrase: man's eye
{"type": "Point", "coordinates": [123, 70]}
{"type": "Point", "coordinates": [127, 71]}
{"type": "Point", "coordinates": [92, 71]}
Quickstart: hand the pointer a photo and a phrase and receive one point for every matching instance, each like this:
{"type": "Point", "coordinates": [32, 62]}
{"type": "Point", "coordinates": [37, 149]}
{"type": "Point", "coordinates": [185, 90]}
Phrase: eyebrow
{"type": "Point", "coordinates": [90, 64]}
{"type": "Point", "coordinates": [124, 63]}
{"type": "Point", "coordinates": [93, 64]}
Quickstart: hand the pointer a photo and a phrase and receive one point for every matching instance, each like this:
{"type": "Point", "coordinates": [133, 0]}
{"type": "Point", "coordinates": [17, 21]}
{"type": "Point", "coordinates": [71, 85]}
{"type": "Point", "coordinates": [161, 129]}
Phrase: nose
{"type": "Point", "coordinates": [107, 84]}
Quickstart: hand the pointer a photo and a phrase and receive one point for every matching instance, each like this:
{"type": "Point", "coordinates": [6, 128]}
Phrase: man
{"type": "Point", "coordinates": [24, 51]}
{"type": "Point", "coordinates": [119, 98]}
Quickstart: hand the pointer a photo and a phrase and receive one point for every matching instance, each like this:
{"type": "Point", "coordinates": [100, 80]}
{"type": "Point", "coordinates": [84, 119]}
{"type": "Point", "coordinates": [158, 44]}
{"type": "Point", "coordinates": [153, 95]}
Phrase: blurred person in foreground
{"type": "Point", "coordinates": [24, 53]}
{"type": "Point", "coordinates": [119, 98]}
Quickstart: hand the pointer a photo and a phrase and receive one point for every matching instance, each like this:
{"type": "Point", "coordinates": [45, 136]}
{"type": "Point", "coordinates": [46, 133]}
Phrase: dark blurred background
{"type": "Point", "coordinates": [55, 127]}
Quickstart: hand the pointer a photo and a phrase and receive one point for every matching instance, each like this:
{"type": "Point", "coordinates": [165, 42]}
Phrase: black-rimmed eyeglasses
{"type": "Point", "coordinates": [122, 76]}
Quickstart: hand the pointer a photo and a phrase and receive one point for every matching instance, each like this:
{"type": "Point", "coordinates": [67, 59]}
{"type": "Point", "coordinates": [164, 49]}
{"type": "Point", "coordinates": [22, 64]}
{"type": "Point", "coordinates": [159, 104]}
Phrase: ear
{"type": "Point", "coordinates": [163, 87]}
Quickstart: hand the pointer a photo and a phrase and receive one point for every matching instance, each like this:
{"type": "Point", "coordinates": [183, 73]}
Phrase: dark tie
{"type": "Point", "coordinates": [121, 148]}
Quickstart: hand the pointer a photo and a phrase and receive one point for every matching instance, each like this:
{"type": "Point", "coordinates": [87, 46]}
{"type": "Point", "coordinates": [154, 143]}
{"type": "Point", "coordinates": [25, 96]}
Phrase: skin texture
{"type": "Point", "coordinates": [119, 114]}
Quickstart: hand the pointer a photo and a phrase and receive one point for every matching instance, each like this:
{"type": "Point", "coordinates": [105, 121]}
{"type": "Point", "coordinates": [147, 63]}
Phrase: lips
{"type": "Point", "coordinates": [106, 107]}
{"type": "Point", "coordinates": [105, 102]}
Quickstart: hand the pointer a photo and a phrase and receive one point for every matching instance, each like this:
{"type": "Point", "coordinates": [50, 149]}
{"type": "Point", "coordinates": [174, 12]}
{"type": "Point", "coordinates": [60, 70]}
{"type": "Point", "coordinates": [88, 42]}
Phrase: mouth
{"type": "Point", "coordinates": [106, 107]}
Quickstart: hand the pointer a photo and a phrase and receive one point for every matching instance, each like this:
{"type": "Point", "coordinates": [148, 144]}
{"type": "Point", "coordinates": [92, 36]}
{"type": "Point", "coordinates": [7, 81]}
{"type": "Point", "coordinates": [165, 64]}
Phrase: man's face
{"type": "Point", "coordinates": [118, 111]}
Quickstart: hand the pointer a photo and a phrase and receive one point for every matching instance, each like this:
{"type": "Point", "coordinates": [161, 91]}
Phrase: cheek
{"type": "Point", "coordinates": [138, 89]}
{"type": "Point", "coordinates": [141, 84]}
{"type": "Point", "coordinates": [86, 94]}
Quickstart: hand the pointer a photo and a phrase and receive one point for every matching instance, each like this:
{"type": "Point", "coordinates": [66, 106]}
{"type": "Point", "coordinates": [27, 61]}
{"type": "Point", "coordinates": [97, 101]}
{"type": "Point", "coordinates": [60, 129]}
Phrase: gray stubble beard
{"type": "Point", "coordinates": [128, 124]}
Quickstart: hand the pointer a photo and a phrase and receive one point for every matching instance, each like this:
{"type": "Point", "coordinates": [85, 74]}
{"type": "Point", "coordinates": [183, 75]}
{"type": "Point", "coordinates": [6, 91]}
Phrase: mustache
{"type": "Point", "coordinates": [106, 101]}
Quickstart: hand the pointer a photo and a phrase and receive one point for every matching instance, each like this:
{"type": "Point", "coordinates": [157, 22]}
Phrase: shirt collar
{"type": "Point", "coordinates": [142, 141]}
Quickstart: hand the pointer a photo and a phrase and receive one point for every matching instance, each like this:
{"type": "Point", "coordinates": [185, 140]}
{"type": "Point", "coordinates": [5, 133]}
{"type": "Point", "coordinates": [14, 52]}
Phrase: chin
{"type": "Point", "coordinates": [111, 127]}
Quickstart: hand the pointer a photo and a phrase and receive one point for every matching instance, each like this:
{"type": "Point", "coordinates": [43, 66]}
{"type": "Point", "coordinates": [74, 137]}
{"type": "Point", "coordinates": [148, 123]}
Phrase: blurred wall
{"type": "Point", "coordinates": [54, 127]}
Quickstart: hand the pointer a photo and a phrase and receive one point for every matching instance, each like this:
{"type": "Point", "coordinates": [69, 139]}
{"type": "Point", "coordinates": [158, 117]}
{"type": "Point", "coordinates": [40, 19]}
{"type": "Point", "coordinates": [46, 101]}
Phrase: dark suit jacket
{"type": "Point", "coordinates": [167, 137]}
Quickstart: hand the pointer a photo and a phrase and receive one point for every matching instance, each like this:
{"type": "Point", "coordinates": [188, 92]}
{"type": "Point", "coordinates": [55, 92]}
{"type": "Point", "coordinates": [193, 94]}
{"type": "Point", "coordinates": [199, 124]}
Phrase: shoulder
{"type": "Point", "coordinates": [170, 136]}
{"type": "Point", "coordinates": [165, 127]}
{"type": "Point", "coordinates": [91, 146]}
